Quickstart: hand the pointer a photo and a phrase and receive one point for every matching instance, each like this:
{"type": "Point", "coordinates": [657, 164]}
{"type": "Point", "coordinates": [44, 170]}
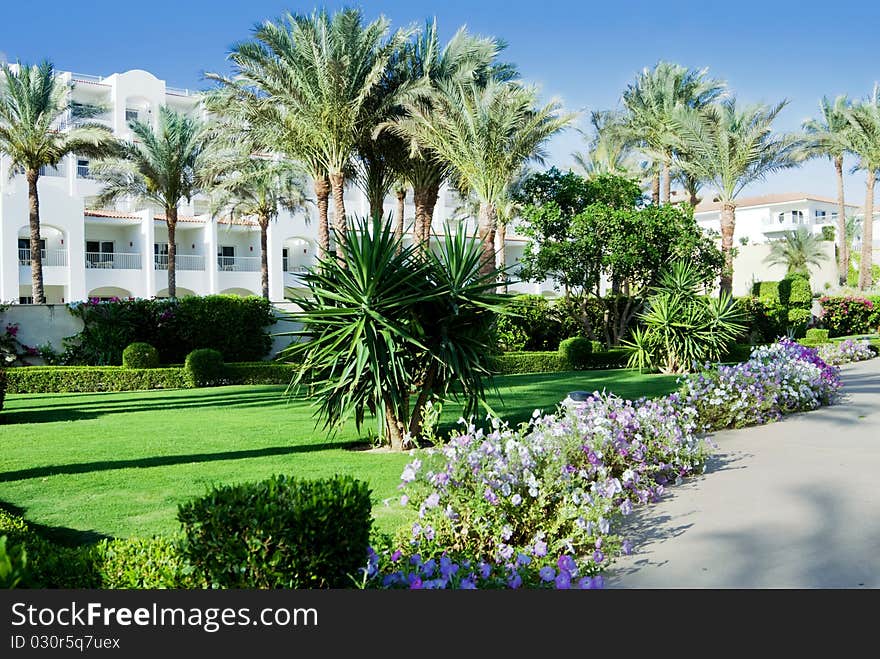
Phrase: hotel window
{"type": "Point", "coordinates": [82, 168]}
{"type": "Point", "coordinates": [226, 257]}
{"type": "Point", "coordinates": [797, 217]}
{"type": "Point", "coordinates": [131, 115]}
{"type": "Point", "coordinates": [781, 218]}
{"type": "Point", "coordinates": [25, 300]}
{"type": "Point", "coordinates": [24, 251]}
{"type": "Point", "coordinates": [99, 253]}
{"type": "Point", "coordinates": [819, 216]}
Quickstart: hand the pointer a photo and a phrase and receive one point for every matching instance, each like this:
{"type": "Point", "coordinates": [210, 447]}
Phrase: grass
{"type": "Point", "coordinates": [85, 466]}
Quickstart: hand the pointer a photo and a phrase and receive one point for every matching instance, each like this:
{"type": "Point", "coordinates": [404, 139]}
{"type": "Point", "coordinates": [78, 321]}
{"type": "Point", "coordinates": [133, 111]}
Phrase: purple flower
{"type": "Point", "coordinates": [514, 581]}
{"type": "Point", "coordinates": [396, 556]}
{"type": "Point", "coordinates": [598, 556]}
{"type": "Point", "coordinates": [563, 581]}
{"type": "Point", "coordinates": [433, 500]}
{"type": "Point", "coordinates": [547, 573]}
{"type": "Point", "coordinates": [540, 549]}
{"type": "Point", "coordinates": [468, 583]}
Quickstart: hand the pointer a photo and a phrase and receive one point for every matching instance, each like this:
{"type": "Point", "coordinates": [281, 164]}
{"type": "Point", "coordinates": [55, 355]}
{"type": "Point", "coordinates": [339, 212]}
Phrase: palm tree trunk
{"type": "Point", "coordinates": [728, 223]}
{"type": "Point", "coordinates": [322, 196]}
{"type": "Point", "coordinates": [843, 256]}
{"type": "Point", "coordinates": [500, 261]}
{"type": "Point", "coordinates": [337, 184]}
{"type": "Point", "coordinates": [867, 233]}
{"type": "Point", "coordinates": [487, 225]}
{"type": "Point", "coordinates": [429, 202]}
{"type": "Point", "coordinates": [418, 230]}
{"type": "Point", "coordinates": [171, 223]}
{"type": "Point", "coordinates": [37, 291]}
{"type": "Point", "coordinates": [655, 188]}
{"type": "Point", "coordinates": [401, 209]}
{"type": "Point", "coordinates": [667, 183]}
{"type": "Point", "coordinates": [264, 256]}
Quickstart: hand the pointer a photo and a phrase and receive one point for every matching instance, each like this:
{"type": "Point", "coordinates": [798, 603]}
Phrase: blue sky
{"type": "Point", "coordinates": [580, 51]}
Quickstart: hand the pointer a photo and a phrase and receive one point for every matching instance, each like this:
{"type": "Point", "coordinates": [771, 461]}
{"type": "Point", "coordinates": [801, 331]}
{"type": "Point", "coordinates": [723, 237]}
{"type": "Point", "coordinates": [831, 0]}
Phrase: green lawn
{"type": "Point", "coordinates": [117, 464]}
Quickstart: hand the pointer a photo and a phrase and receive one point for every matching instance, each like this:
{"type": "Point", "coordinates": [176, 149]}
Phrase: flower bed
{"type": "Point", "coordinates": [536, 506]}
{"type": "Point", "coordinates": [846, 351]}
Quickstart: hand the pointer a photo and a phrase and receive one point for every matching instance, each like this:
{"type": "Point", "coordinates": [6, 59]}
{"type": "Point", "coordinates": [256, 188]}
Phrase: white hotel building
{"type": "Point", "coordinates": [90, 251]}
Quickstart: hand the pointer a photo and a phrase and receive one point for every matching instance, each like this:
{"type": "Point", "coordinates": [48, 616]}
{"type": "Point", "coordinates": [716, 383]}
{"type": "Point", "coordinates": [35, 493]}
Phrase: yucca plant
{"type": "Point", "coordinates": [388, 328]}
{"type": "Point", "coordinates": [683, 327]}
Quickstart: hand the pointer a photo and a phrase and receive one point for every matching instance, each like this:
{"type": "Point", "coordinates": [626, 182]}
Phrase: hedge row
{"type": "Point", "coordinates": [511, 363]}
{"type": "Point", "coordinates": [82, 379]}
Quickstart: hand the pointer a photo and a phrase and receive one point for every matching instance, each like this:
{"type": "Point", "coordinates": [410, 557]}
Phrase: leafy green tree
{"type": "Point", "coordinates": [827, 138]}
{"type": "Point", "coordinates": [391, 328]}
{"type": "Point", "coordinates": [797, 251]}
{"type": "Point", "coordinates": [34, 105]}
{"type": "Point", "coordinates": [729, 148]}
{"type": "Point", "coordinates": [163, 167]}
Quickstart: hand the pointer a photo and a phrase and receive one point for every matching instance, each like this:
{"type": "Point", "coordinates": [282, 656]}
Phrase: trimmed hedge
{"type": "Point", "coordinates": [817, 335]}
{"type": "Point", "coordinates": [2, 387]}
{"type": "Point", "coordinates": [259, 373]}
{"type": "Point", "coordinates": [768, 290]}
{"type": "Point", "coordinates": [77, 379]}
{"type": "Point", "coordinates": [140, 355]}
{"type": "Point", "coordinates": [279, 533]}
{"type": "Point", "coordinates": [512, 363]}
{"type": "Point", "coordinates": [795, 292]}
{"type": "Point", "coordinates": [576, 352]}
{"type": "Point", "coordinates": [204, 368]}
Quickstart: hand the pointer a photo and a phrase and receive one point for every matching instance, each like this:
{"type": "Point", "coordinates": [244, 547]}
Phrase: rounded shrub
{"type": "Point", "coordinates": [140, 355]}
{"type": "Point", "coordinates": [797, 288]}
{"type": "Point", "coordinates": [203, 367]}
{"type": "Point", "coordinates": [2, 387]}
{"type": "Point", "coordinates": [817, 335]}
{"type": "Point", "coordinates": [279, 533]}
{"type": "Point", "coordinates": [576, 352]}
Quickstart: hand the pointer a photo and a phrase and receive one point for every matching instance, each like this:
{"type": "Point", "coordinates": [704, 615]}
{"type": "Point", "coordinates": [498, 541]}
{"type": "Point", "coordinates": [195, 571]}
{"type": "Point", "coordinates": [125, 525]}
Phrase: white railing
{"type": "Point", "coordinates": [239, 263]}
{"type": "Point", "coordinates": [296, 269]}
{"type": "Point", "coordinates": [113, 260]}
{"type": "Point", "coordinates": [85, 77]}
{"type": "Point", "coordinates": [53, 258]}
{"type": "Point", "coordinates": [178, 91]}
{"type": "Point", "coordinates": [181, 261]}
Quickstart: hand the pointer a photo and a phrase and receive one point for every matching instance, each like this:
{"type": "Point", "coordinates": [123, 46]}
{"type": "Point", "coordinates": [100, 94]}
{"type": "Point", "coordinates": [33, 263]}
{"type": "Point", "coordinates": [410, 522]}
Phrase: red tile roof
{"type": "Point", "coordinates": [122, 215]}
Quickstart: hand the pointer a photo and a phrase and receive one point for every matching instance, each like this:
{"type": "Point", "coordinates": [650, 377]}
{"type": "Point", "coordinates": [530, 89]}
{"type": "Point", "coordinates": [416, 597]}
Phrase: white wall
{"type": "Point", "coordinates": [749, 266]}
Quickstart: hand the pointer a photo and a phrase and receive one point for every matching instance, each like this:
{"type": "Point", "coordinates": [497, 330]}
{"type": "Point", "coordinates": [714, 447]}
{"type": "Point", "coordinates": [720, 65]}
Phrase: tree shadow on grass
{"type": "Point", "coordinates": [62, 535]}
{"type": "Point", "coordinates": [170, 460]}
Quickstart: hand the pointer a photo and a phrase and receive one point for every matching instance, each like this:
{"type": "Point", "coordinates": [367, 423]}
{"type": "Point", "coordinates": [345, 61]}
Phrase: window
{"type": "Point", "coordinates": [160, 255]}
{"type": "Point", "coordinates": [24, 251]}
{"type": "Point", "coordinates": [131, 115]}
{"type": "Point", "coordinates": [82, 168]}
{"type": "Point", "coordinates": [819, 216]}
{"type": "Point", "coordinates": [781, 218]}
{"type": "Point", "coordinates": [226, 257]}
{"type": "Point", "coordinates": [99, 253]}
{"type": "Point", "coordinates": [797, 217]}
{"type": "Point", "coordinates": [25, 300]}
{"type": "Point", "coordinates": [284, 259]}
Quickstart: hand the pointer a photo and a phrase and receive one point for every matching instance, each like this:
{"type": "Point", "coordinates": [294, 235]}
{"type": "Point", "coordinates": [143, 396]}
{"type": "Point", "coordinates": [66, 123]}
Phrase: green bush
{"type": "Point", "coordinates": [237, 327]}
{"type": "Point", "coordinates": [798, 319]}
{"type": "Point", "coordinates": [739, 352]}
{"type": "Point", "coordinates": [765, 320]}
{"type": "Point", "coordinates": [817, 335]}
{"type": "Point", "coordinates": [828, 233]}
{"type": "Point", "coordinates": [575, 352]}
{"type": "Point", "coordinates": [850, 314]}
{"type": "Point", "coordinates": [794, 291]}
{"type": "Point", "coordinates": [260, 373]}
{"type": "Point", "coordinates": [138, 563]}
{"type": "Point", "coordinates": [766, 290]}
{"type": "Point", "coordinates": [140, 355]}
{"type": "Point", "coordinates": [279, 533]}
{"type": "Point", "coordinates": [2, 387]}
{"type": "Point", "coordinates": [532, 325]}
{"type": "Point", "coordinates": [13, 564]}
{"type": "Point", "coordinates": [526, 362]}
{"type": "Point", "coordinates": [203, 368]}
{"type": "Point", "coordinates": [75, 379]}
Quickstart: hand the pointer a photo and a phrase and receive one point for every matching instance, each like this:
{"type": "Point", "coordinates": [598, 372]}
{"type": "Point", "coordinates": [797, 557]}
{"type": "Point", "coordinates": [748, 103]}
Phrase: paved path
{"type": "Point", "coordinates": [793, 504]}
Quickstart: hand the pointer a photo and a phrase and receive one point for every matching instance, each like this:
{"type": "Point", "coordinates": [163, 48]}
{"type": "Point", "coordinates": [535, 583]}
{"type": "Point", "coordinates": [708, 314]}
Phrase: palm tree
{"type": "Point", "coordinates": [863, 140]}
{"type": "Point", "coordinates": [486, 133]}
{"type": "Point", "coordinates": [609, 149]}
{"type": "Point", "coordinates": [425, 65]}
{"type": "Point", "coordinates": [324, 71]}
{"type": "Point", "coordinates": [729, 148]}
{"type": "Point", "coordinates": [33, 104]}
{"type": "Point", "coordinates": [161, 167]}
{"type": "Point", "coordinates": [650, 103]}
{"type": "Point", "coordinates": [797, 251]}
{"type": "Point", "coordinates": [246, 185]}
{"type": "Point", "coordinates": [827, 138]}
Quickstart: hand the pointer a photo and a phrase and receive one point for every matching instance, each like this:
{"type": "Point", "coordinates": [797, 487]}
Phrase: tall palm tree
{"type": "Point", "coordinates": [826, 137]}
{"type": "Point", "coordinates": [650, 103]}
{"type": "Point", "coordinates": [486, 133]}
{"type": "Point", "coordinates": [609, 148]}
{"type": "Point", "coordinates": [466, 59]}
{"type": "Point", "coordinates": [729, 148]}
{"type": "Point", "coordinates": [863, 141]}
{"type": "Point", "coordinates": [245, 185]}
{"type": "Point", "coordinates": [797, 251]}
{"type": "Point", "coordinates": [33, 103]}
{"type": "Point", "coordinates": [270, 127]}
{"type": "Point", "coordinates": [324, 71]}
{"type": "Point", "coordinates": [162, 167]}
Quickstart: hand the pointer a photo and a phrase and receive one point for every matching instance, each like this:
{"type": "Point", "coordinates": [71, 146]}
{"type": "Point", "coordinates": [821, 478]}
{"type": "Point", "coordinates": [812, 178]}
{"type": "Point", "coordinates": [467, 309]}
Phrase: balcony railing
{"type": "Point", "coordinates": [52, 258]}
{"type": "Point", "coordinates": [293, 269]}
{"type": "Point", "coordinates": [239, 263]}
{"type": "Point", "coordinates": [113, 260]}
{"type": "Point", "coordinates": [181, 262]}
{"type": "Point", "coordinates": [178, 91]}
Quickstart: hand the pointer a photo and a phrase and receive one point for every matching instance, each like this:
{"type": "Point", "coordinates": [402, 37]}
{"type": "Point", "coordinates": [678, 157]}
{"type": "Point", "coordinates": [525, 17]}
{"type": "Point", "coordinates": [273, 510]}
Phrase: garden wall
{"type": "Point", "coordinates": [39, 324]}
{"type": "Point", "coordinates": [749, 266]}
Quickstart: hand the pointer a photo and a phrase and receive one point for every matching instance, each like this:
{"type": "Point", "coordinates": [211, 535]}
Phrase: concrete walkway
{"type": "Point", "coordinates": [793, 504]}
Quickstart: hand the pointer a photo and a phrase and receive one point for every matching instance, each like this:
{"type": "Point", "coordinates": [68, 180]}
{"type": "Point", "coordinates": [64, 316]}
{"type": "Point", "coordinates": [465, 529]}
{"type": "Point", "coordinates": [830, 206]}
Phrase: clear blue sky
{"type": "Point", "coordinates": [581, 51]}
